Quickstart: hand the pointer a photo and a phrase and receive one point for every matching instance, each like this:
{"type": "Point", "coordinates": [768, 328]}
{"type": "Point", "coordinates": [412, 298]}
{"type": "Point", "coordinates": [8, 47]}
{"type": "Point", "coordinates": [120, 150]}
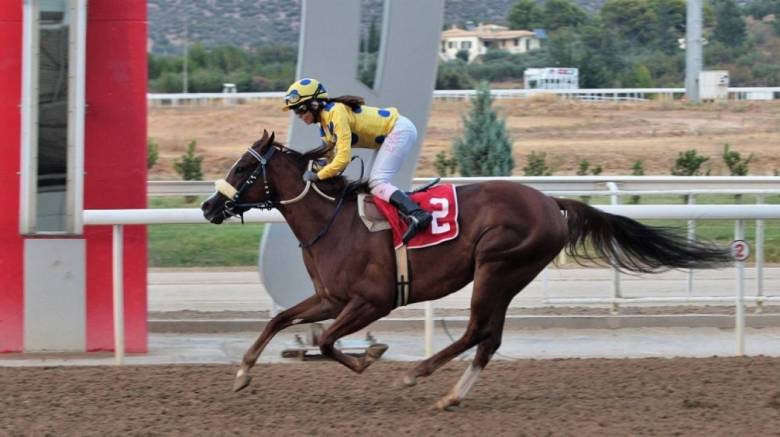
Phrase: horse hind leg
{"type": "Point", "coordinates": [490, 296]}
{"type": "Point", "coordinates": [485, 351]}
{"type": "Point", "coordinates": [494, 287]}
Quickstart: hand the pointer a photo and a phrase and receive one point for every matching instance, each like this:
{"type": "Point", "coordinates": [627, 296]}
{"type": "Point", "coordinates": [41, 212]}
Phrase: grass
{"type": "Point", "coordinates": [201, 245]}
{"type": "Point", "coordinates": [238, 245]}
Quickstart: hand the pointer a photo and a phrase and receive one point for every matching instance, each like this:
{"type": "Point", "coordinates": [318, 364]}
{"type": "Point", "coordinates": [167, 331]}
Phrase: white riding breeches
{"type": "Point", "coordinates": [390, 157]}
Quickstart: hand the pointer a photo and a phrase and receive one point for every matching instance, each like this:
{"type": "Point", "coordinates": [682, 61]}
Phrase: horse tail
{"type": "Point", "coordinates": [628, 245]}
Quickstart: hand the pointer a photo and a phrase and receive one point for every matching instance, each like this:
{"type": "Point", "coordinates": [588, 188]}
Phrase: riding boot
{"type": "Point", "coordinates": [419, 218]}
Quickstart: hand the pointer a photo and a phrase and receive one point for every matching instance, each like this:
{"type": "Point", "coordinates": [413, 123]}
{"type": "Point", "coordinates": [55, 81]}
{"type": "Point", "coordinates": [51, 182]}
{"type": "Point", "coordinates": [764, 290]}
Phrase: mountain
{"type": "Point", "coordinates": [251, 22]}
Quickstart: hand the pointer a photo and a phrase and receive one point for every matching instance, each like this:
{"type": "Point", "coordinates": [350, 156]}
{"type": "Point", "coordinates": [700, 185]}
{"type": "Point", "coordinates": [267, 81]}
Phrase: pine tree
{"type": "Point", "coordinates": [189, 167]}
{"type": "Point", "coordinates": [485, 148]}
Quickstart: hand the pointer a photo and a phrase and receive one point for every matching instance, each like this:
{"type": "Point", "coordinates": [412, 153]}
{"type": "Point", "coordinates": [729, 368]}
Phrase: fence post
{"type": "Point", "coordinates": [759, 258]}
{"type": "Point", "coordinates": [616, 294]}
{"type": "Point", "coordinates": [119, 298]}
{"type": "Point", "coordinates": [691, 237]}
{"type": "Point", "coordinates": [428, 329]}
{"type": "Point", "coordinates": [739, 234]}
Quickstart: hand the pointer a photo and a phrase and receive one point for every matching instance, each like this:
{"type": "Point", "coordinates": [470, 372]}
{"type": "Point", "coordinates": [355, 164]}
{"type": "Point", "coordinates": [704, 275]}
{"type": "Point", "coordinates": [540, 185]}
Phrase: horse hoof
{"type": "Point", "coordinates": [241, 382]}
{"type": "Point", "coordinates": [375, 351]}
{"type": "Point", "coordinates": [448, 404]}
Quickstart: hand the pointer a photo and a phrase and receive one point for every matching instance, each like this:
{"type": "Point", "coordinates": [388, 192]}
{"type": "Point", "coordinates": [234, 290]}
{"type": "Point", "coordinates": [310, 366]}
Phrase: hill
{"type": "Point", "coordinates": [247, 23]}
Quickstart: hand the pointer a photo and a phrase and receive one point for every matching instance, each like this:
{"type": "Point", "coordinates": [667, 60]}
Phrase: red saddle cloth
{"type": "Point", "coordinates": [441, 201]}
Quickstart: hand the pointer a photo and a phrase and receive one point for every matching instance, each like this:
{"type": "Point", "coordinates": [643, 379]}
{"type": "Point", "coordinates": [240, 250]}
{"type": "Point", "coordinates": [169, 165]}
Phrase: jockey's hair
{"type": "Point", "coordinates": [353, 102]}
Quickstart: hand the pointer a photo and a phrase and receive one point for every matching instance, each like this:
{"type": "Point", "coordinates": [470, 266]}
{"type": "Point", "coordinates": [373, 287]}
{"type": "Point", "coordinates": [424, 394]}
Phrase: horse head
{"type": "Point", "coordinates": [247, 185]}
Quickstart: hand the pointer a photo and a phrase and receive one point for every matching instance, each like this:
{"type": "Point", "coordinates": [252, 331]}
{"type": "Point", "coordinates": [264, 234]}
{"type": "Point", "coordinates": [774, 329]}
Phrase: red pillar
{"type": "Point", "coordinates": [115, 163]}
{"type": "Point", "coordinates": [11, 244]}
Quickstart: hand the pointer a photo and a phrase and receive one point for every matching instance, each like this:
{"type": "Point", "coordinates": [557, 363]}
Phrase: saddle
{"type": "Point", "coordinates": [374, 219]}
{"type": "Point", "coordinates": [378, 215]}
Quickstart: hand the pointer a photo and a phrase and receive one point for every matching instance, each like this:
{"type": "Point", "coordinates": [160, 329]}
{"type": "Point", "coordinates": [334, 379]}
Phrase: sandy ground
{"type": "Point", "coordinates": [613, 135]}
{"type": "Point", "coordinates": [692, 397]}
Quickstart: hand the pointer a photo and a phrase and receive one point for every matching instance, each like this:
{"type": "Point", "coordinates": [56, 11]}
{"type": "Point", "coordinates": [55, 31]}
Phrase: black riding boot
{"type": "Point", "coordinates": [419, 218]}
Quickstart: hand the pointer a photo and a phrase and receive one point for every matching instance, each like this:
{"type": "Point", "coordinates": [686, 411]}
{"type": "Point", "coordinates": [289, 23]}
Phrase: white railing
{"type": "Point", "coordinates": [616, 187]}
{"type": "Point", "coordinates": [119, 218]}
{"type": "Point", "coordinates": [561, 185]}
{"type": "Point", "coordinates": [611, 94]}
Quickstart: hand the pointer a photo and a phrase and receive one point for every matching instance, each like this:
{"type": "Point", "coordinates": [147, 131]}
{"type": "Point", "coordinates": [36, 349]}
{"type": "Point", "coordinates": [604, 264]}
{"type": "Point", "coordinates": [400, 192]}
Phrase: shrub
{"type": "Point", "coordinates": [737, 165]}
{"type": "Point", "coordinates": [152, 153]}
{"type": "Point", "coordinates": [445, 164]}
{"type": "Point", "coordinates": [689, 163]}
{"type": "Point", "coordinates": [537, 165]}
{"type": "Point", "coordinates": [585, 169]}
{"type": "Point", "coordinates": [637, 169]}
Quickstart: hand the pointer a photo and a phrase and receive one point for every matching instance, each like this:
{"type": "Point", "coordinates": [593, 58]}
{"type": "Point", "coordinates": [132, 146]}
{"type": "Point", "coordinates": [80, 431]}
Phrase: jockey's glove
{"type": "Point", "coordinates": [310, 176]}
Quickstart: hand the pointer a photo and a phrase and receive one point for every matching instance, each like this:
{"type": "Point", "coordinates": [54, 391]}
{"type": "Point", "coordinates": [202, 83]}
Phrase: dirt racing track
{"type": "Point", "coordinates": [654, 396]}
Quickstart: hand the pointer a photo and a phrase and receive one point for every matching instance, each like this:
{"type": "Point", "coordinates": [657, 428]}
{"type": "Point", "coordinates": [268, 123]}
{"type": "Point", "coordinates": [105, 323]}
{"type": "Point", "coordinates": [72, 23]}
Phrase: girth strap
{"type": "Point", "coordinates": [403, 281]}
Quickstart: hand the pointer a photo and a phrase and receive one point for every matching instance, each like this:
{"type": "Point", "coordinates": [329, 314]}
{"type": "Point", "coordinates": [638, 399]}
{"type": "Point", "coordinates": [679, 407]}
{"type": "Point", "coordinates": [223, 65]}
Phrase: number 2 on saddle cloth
{"type": "Point", "coordinates": [441, 201]}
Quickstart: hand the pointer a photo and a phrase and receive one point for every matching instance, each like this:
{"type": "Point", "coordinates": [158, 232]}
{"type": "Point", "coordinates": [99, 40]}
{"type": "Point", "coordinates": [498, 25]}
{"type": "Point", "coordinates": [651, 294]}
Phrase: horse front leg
{"type": "Point", "coordinates": [356, 315]}
{"type": "Point", "coordinates": [310, 310]}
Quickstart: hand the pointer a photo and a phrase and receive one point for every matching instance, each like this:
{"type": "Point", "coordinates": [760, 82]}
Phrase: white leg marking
{"type": "Point", "coordinates": [466, 381]}
{"type": "Point", "coordinates": [240, 373]}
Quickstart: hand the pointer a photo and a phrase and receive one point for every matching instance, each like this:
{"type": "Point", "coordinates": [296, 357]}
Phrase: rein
{"type": "Point", "coordinates": [324, 230]}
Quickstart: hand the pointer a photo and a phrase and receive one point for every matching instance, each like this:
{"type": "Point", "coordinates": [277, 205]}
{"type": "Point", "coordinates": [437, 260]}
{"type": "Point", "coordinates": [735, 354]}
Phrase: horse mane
{"type": "Point", "coordinates": [332, 186]}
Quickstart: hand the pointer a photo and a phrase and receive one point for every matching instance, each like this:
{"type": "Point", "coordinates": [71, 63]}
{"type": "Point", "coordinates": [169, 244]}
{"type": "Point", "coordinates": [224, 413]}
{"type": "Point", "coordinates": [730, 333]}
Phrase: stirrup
{"type": "Point", "coordinates": [414, 228]}
{"type": "Point", "coordinates": [411, 231]}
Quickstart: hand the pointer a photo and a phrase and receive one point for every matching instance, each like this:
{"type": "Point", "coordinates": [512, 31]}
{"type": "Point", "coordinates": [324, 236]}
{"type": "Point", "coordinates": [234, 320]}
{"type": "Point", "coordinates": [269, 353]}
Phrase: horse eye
{"type": "Point", "coordinates": [239, 170]}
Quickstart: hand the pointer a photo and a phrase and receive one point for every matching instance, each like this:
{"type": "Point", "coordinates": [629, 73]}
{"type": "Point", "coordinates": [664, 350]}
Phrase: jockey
{"type": "Point", "coordinates": [346, 122]}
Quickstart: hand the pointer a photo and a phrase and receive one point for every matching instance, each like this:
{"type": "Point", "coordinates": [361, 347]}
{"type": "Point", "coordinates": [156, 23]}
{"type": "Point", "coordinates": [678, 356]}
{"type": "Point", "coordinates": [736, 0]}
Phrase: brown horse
{"type": "Point", "coordinates": [508, 233]}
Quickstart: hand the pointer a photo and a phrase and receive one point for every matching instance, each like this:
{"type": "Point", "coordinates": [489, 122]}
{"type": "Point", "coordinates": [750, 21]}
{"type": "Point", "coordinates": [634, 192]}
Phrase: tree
{"type": "Point", "coordinates": [593, 49]}
{"type": "Point", "coordinates": [524, 15]}
{"type": "Point", "coordinates": [452, 76]}
{"type": "Point", "coordinates": [485, 148]}
{"type": "Point", "coordinates": [730, 28]}
{"type": "Point", "coordinates": [639, 77]}
{"type": "Point", "coordinates": [632, 19]}
{"type": "Point", "coordinates": [462, 55]}
{"type": "Point", "coordinates": [189, 166]}
{"type": "Point", "coordinates": [562, 13]}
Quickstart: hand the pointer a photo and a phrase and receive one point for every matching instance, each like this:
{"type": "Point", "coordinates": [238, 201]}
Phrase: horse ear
{"type": "Point", "coordinates": [264, 139]}
{"type": "Point", "coordinates": [271, 140]}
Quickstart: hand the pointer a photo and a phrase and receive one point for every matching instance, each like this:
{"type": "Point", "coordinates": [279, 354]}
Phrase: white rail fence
{"type": "Point", "coordinates": [594, 94]}
{"type": "Point", "coordinates": [616, 187]}
{"type": "Point", "coordinates": [565, 186]}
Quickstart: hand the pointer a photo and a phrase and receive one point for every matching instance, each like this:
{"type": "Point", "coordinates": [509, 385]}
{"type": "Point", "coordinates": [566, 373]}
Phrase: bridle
{"type": "Point", "coordinates": [234, 196]}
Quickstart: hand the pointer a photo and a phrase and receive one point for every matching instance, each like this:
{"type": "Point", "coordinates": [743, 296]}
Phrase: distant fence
{"type": "Point", "coordinates": [592, 94]}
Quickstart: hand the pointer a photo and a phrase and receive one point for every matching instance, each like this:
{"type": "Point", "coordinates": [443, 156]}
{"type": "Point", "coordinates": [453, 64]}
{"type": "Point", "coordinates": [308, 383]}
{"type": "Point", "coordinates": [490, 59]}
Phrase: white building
{"type": "Point", "coordinates": [554, 78]}
{"type": "Point", "coordinates": [477, 41]}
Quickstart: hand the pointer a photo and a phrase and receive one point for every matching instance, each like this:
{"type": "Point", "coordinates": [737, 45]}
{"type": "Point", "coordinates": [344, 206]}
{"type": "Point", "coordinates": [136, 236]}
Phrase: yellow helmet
{"type": "Point", "coordinates": [303, 90]}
